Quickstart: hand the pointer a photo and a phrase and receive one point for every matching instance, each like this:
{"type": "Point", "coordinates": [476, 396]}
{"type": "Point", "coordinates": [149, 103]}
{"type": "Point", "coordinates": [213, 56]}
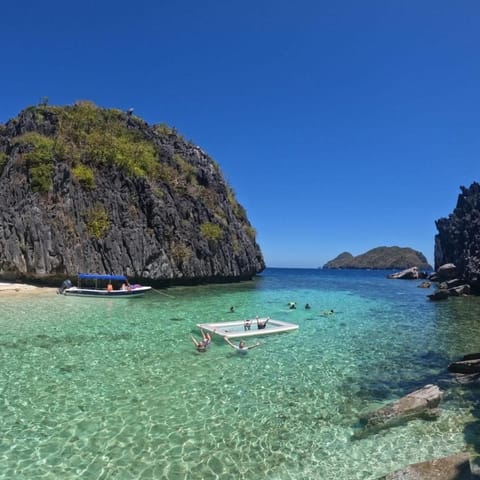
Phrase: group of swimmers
{"type": "Point", "coordinates": [206, 340]}
{"type": "Point", "coordinates": [261, 323]}
{"type": "Point", "coordinates": [293, 306]}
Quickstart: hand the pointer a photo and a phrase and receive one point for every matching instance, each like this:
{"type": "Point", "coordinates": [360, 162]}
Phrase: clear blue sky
{"type": "Point", "coordinates": [340, 125]}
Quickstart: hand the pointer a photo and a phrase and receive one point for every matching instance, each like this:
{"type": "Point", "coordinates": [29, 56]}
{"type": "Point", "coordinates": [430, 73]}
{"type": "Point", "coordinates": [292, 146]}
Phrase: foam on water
{"type": "Point", "coordinates": [114, 389]}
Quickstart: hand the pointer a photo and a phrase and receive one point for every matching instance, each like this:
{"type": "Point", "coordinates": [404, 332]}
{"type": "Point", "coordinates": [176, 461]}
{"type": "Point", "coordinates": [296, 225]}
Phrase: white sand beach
{"type": "Point", "coordinates": [10, 288]}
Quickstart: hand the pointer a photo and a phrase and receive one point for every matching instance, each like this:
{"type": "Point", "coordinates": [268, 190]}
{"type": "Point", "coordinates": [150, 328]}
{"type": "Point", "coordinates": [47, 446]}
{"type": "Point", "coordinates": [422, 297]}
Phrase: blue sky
{"type": "Point", "coordinates": [341, 126]}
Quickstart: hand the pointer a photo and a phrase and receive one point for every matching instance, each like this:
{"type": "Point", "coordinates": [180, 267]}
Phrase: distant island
{"type": "Point", "coordinates": [381, 258]}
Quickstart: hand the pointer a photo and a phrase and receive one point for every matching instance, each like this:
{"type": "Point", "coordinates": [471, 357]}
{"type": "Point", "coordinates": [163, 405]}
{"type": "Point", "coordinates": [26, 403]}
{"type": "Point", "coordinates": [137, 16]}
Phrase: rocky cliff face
{"type": "Point", "coordinates": [99, 190]}
{"type": "Point", "coordinates": [384, 258]}
{"type": "Point", "coordinates": [458, 238]}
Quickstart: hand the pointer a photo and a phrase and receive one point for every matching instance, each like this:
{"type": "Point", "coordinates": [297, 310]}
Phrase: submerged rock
{"type": "Point", "coordinates": [468, 364]}
{"type": "Point", "coordinates": [453, 467]}
{"type": "Point", "coordinates": [422, 402]}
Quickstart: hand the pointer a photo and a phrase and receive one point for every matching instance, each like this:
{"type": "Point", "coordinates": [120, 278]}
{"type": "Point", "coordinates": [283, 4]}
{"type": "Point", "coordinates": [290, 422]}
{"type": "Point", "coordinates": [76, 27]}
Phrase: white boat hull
{"type": "Point", "coordinates": [92, 292]}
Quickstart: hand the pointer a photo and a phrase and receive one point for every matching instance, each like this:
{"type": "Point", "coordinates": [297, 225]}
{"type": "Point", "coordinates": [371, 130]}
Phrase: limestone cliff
{"type": "Point", "coordinates": [381, 258]}
{"type": "Point", "coordinates": [458, 238]}
{"type": "Point", "coordinates": [99, 190]}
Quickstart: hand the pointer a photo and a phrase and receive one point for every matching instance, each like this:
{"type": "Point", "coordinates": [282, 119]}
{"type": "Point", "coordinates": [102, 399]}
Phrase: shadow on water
{"type": "Point", "coordinates": [49, 341]}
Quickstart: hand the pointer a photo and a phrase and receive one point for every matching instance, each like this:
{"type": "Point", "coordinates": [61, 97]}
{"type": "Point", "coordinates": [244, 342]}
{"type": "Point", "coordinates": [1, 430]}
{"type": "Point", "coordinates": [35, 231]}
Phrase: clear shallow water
{"type": "Point", "coordinates": [113, 389]}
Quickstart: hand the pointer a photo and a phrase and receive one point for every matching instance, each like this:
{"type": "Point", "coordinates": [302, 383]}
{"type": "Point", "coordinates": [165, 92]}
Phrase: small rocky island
{"type": "Point", "coordinates": [381, 258]}
{"type": "Point", "coordinates": [92, 189]}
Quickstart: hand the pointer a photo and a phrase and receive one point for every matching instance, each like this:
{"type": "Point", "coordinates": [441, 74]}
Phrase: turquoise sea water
{"type": "Point", "coordinates": [114, 389]}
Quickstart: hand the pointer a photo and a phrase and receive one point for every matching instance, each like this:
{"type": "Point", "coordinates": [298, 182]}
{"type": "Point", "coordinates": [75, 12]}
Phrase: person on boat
{"type": "Point", "coordinates": [109, 287]}
{"type": "Point", "coordinates": [261, 324]}
{"type": "Point", "coordinates": [203, 343]}
{"type": "Point", "coordinates": [241, 348]}
{"type": "Point", "coordinates": [126, 286]}
{"type": "Point", "coordinates": [247, 324]}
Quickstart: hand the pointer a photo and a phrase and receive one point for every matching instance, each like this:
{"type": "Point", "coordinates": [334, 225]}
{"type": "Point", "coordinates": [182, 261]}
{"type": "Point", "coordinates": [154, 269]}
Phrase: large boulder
{"type": "Point", "coordinates": [407, 274]}
{"type": "Point", "coordinates": [453, 467]}
{"type": "Point", "coordinates": [447, 271]}
{"type": "Point", "coordinates": [422, 402]}
{"type": "Point", "coordinates": [440, 294]}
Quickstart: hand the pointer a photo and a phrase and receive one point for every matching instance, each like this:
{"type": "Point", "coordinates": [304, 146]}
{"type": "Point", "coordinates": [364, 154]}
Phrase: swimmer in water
{"type": "Point", "coordinates": [241, 347]}
{"type": "Point", "coordinates": [202, 345]}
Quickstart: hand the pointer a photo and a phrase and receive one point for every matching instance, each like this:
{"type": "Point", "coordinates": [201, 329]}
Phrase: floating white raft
{"type": "Point", "coordinates": [236, 328]}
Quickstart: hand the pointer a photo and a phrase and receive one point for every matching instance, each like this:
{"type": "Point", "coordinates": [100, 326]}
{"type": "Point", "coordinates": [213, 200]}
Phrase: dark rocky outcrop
{"type": "Point", "coordinates": [384, 258]}
{"type": "Point", "coordinates": [467, 365]}
{"type": "Point", "coordinates": [439, 294]}
{"type": "Point", "coordinates": [458, 240]}
{"type": "Point", "coordinates": [466, 370]}
{"type": "Point", "coordinates": [99, 190]}
{"type": "Point", "coordinates": [447, 283]}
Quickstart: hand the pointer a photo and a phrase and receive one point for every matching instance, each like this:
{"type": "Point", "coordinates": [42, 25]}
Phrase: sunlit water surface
{"type": "Point", "coordinates": [114, 389]}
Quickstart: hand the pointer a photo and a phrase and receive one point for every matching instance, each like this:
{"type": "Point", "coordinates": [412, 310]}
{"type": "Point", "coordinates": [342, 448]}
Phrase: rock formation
{"type": "Point", "coordinates": [458, 239]}
{"type": "Point", "coordinates": [467, 365]}
{"type": "Point", "coordinates": [408, 274]}
{"type": "Point", "coordinates": [384, 258]}
{"type": "Point", "coordinates": [422, 402]}
{"type": "Point", "coordinates": [453, 467]}
{"type": "Point", "coordinates": [99, 190]}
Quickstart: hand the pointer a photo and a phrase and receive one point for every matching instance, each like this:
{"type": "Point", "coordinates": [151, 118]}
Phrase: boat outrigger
{"type": "Point", "coordinates": [247, 328]}
{"type": "Point", "coordinates": [105, 289]}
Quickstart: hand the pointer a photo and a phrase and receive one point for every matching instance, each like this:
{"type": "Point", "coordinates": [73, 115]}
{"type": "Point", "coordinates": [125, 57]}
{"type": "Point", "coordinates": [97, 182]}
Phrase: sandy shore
{"type": "Point", "coordinates": [7, 288]}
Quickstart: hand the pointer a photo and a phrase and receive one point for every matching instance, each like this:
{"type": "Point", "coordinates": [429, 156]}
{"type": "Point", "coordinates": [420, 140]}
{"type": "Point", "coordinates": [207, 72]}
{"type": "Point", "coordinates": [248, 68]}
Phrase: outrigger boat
{"type": "Point", "coordinates": [247, 328]}
{"type": "Point", "coordinates": [105, 289]}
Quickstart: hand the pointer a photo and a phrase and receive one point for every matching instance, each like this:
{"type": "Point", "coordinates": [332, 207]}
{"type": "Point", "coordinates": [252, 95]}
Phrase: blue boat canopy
{"type": "Point", "coordinates": [101, 276]}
